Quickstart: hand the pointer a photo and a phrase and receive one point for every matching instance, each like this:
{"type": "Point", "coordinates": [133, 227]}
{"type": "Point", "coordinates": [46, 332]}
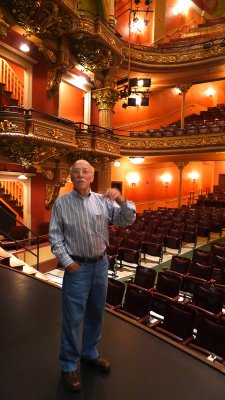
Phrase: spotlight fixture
{"type": "Point", "coordinates": [134, 91]}
{"type": "Point", "coordinates": [144, 101]}
{"type": "Point", "coordinates": [148, 2]}
{"type": "Point", "coordinates": [139, 83]}
{"type": "Point", "coordinates": [135, 20]}
{"type": "Point", "coordinates": [132, 102]}
{"type": "Point", "coordinates": [137, 2]}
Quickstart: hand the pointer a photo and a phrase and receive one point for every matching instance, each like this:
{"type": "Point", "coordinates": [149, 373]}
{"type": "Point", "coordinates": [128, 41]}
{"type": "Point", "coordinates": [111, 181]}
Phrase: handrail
{"type": "Point", "coordinates": [18, 242]}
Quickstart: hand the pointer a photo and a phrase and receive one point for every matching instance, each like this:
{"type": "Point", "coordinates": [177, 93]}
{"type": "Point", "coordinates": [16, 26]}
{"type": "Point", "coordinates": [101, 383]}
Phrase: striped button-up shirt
{"type": "Point", "coordinates": [79, 225]}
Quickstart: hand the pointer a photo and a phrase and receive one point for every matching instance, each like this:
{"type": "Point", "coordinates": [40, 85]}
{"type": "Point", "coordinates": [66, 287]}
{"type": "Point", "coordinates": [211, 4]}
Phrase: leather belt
{"type": "Point", "coordinates": [87, 260]}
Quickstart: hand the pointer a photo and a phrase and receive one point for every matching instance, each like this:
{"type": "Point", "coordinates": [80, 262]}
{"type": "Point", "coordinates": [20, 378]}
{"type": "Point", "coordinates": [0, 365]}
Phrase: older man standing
{"type": "Point", "coordinates": [79, 235]}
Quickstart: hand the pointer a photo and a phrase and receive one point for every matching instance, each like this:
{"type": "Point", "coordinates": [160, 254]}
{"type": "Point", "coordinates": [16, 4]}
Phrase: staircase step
{"type": "Point", "coordinates": [6, 196]}
{"type": "Point", "coordinates": [12, 203]}
{"type": "Point", "coordinates": [14, 102]}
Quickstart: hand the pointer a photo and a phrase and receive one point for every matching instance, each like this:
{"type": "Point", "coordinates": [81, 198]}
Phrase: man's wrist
{"type": "Point", "coordinates": [121, 201]}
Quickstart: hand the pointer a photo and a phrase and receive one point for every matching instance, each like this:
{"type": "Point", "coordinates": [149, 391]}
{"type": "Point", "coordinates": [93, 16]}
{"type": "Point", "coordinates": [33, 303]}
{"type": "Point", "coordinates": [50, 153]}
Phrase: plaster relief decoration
{"type": "Point", "coordinates": [30, 154]}
{"type": "Point", "coordinates": [56, 178]}
{"type": "Point", "coordinates": [91, 54]}
{"type": "Point", "coordinates": [4, 27]}
{"type": "Point", "coordinates": [41, 18]}
{"type": "Point", "coordinates": [105, 98]}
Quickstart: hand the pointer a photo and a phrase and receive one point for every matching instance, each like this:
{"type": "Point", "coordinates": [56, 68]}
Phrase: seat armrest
{"type": "Point", "coordinates": [218, 315]}
{"type": "Point", "coordinates": [170, 334]}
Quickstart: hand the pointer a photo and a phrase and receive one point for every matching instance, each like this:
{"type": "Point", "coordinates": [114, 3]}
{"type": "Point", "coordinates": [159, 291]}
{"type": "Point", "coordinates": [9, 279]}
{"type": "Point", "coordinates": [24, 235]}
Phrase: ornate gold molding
{"type": "Point", "coordinates": [56, 177]}
{"type": "Point", "coordinates": [168, 145]}
{"type": "Point", "coordinates": [105, 98]}
{"type": "Point", "coordinates": [180, 56]}
{"type": "Point", "coordinates": [41, 17]}
{"type": "Point", "coordinates": [4, 27]}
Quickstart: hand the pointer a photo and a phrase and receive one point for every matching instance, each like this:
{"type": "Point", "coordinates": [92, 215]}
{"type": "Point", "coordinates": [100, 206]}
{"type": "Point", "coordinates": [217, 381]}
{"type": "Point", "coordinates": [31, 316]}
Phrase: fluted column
{"type": "Point", "coordinates": [183, 87]}
{"type": "Point", "coordinates": [105, 99]}
{"type": "Point", "coordinates": [180, 165]}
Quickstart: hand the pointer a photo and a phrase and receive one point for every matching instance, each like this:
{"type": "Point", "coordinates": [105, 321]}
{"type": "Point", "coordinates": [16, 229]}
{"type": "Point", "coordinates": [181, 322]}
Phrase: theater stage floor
{"type": "Point", "coordinates": [143, 366]}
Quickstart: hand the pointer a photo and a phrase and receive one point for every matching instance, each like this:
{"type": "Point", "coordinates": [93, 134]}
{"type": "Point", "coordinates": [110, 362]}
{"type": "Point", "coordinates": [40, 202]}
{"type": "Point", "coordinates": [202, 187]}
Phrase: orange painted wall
{"type": "Point", "coordinates": [122, 13]}
{"type": "Point", "coordinates": [219, 169]}
{"type": "Point", "coordinates": [39, 212]}
{"type": "Point", "coordinates": [40, 99]}
{"type": "Point", "coordinates": [150, 186]}
{"type": "Point", "coordinates": [165, 107]}
{"type": "Point", "coordinates": [94, 113]}
{"type": "Point", "coordinates": [71, 102]}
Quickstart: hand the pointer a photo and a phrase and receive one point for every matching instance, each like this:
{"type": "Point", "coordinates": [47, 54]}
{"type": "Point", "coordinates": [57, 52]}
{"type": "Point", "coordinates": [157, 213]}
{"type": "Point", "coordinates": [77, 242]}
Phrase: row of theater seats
{"type": "Point", "coordinates": [180, 305]}
{"type": "Point", "coordinates": [208, 121]}
{"type": "Point", "coordinates": [154, 233]}
{"type": "Point", "coordinates": [20, 236]}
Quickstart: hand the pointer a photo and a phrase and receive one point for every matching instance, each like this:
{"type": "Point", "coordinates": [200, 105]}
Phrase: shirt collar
{"type": "Point", "coordinates": [76, 194]}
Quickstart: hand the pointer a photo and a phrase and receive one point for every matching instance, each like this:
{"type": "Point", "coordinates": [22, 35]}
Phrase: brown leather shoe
{"type": "Point", "coordinates": [71, 380]}
{"type": "Point", "coordinates": [99, 364]}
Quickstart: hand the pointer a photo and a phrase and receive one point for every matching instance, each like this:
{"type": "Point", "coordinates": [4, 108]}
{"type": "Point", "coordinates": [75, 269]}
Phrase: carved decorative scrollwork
{"type": "Point", "coordinates": [42, 17]}
{"type": "Point", "coordinates": [30, 154]}
{"type": "Point", "coordinates": [4, 27]}
{"type": "Point", "coordinates": [105, 98]}
{"type": "Point", "coordinates": [93, 55]}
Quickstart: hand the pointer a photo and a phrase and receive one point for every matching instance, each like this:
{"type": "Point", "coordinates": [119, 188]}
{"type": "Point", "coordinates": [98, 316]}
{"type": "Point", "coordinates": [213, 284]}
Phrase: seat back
{"type": "Point", "coordinates": [145, 277]}
{"type": "Point", "coordinates": [112, 250]}
{"type": "Point", "coordinates": [219, 262]}
{"type": "Point", "coordinates": [129, 255]}
{"type": "Point", "coordinates": [180, 264]}
{"type": "Point", "coordinates": [137, 301]}
{"type": "Point", "coordinates": [179, 319]}
{"type": "Point", "coordinates": [168, 284]}
{"type": "Point", "coordinates": [208, 298]}
{"type": "Point", "coordinates": [210, 335]}
{"type": "Point", "coordinates": [115, 292]}
{"type": "Point", "coordinates": [132, 244]}
{"type": "Point", "coordinates": [201, 256]}
{"type": "Point", "coordinates": [201, 271]}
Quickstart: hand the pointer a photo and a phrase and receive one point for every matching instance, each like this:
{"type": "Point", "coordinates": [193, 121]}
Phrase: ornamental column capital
{"type": "Point", "coordinates": [105, 98]}
{"type": "Point", "coordinates": [184, 87]}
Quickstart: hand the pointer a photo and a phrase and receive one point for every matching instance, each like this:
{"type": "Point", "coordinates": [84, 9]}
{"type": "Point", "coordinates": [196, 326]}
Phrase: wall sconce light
{"type": "Point", "coordinates": [166, 179]}
{"type": "Point", "coordinates": [194, 176]}
{"type": "Point", "coordinates": [136, 160]}
{"type": "Point", "coordinates": [117, 163]}
{"type": "Point", "coordinates": [22, 177]}
{"type": "Point", "coordinates": [210, 92]}
{"type": "Point", "coordinates": [133, 178]}
{"type": "Point", "coordinates": [24, 47]}
{"type": "Point", "coordinates": [177, 91]}
{"type": "Point", "coordinates": [181, 7]}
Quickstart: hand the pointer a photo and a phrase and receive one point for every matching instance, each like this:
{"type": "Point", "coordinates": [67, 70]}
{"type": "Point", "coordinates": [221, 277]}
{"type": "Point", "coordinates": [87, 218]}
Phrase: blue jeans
{"type": "Point", "coordinates": [84, 296]}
